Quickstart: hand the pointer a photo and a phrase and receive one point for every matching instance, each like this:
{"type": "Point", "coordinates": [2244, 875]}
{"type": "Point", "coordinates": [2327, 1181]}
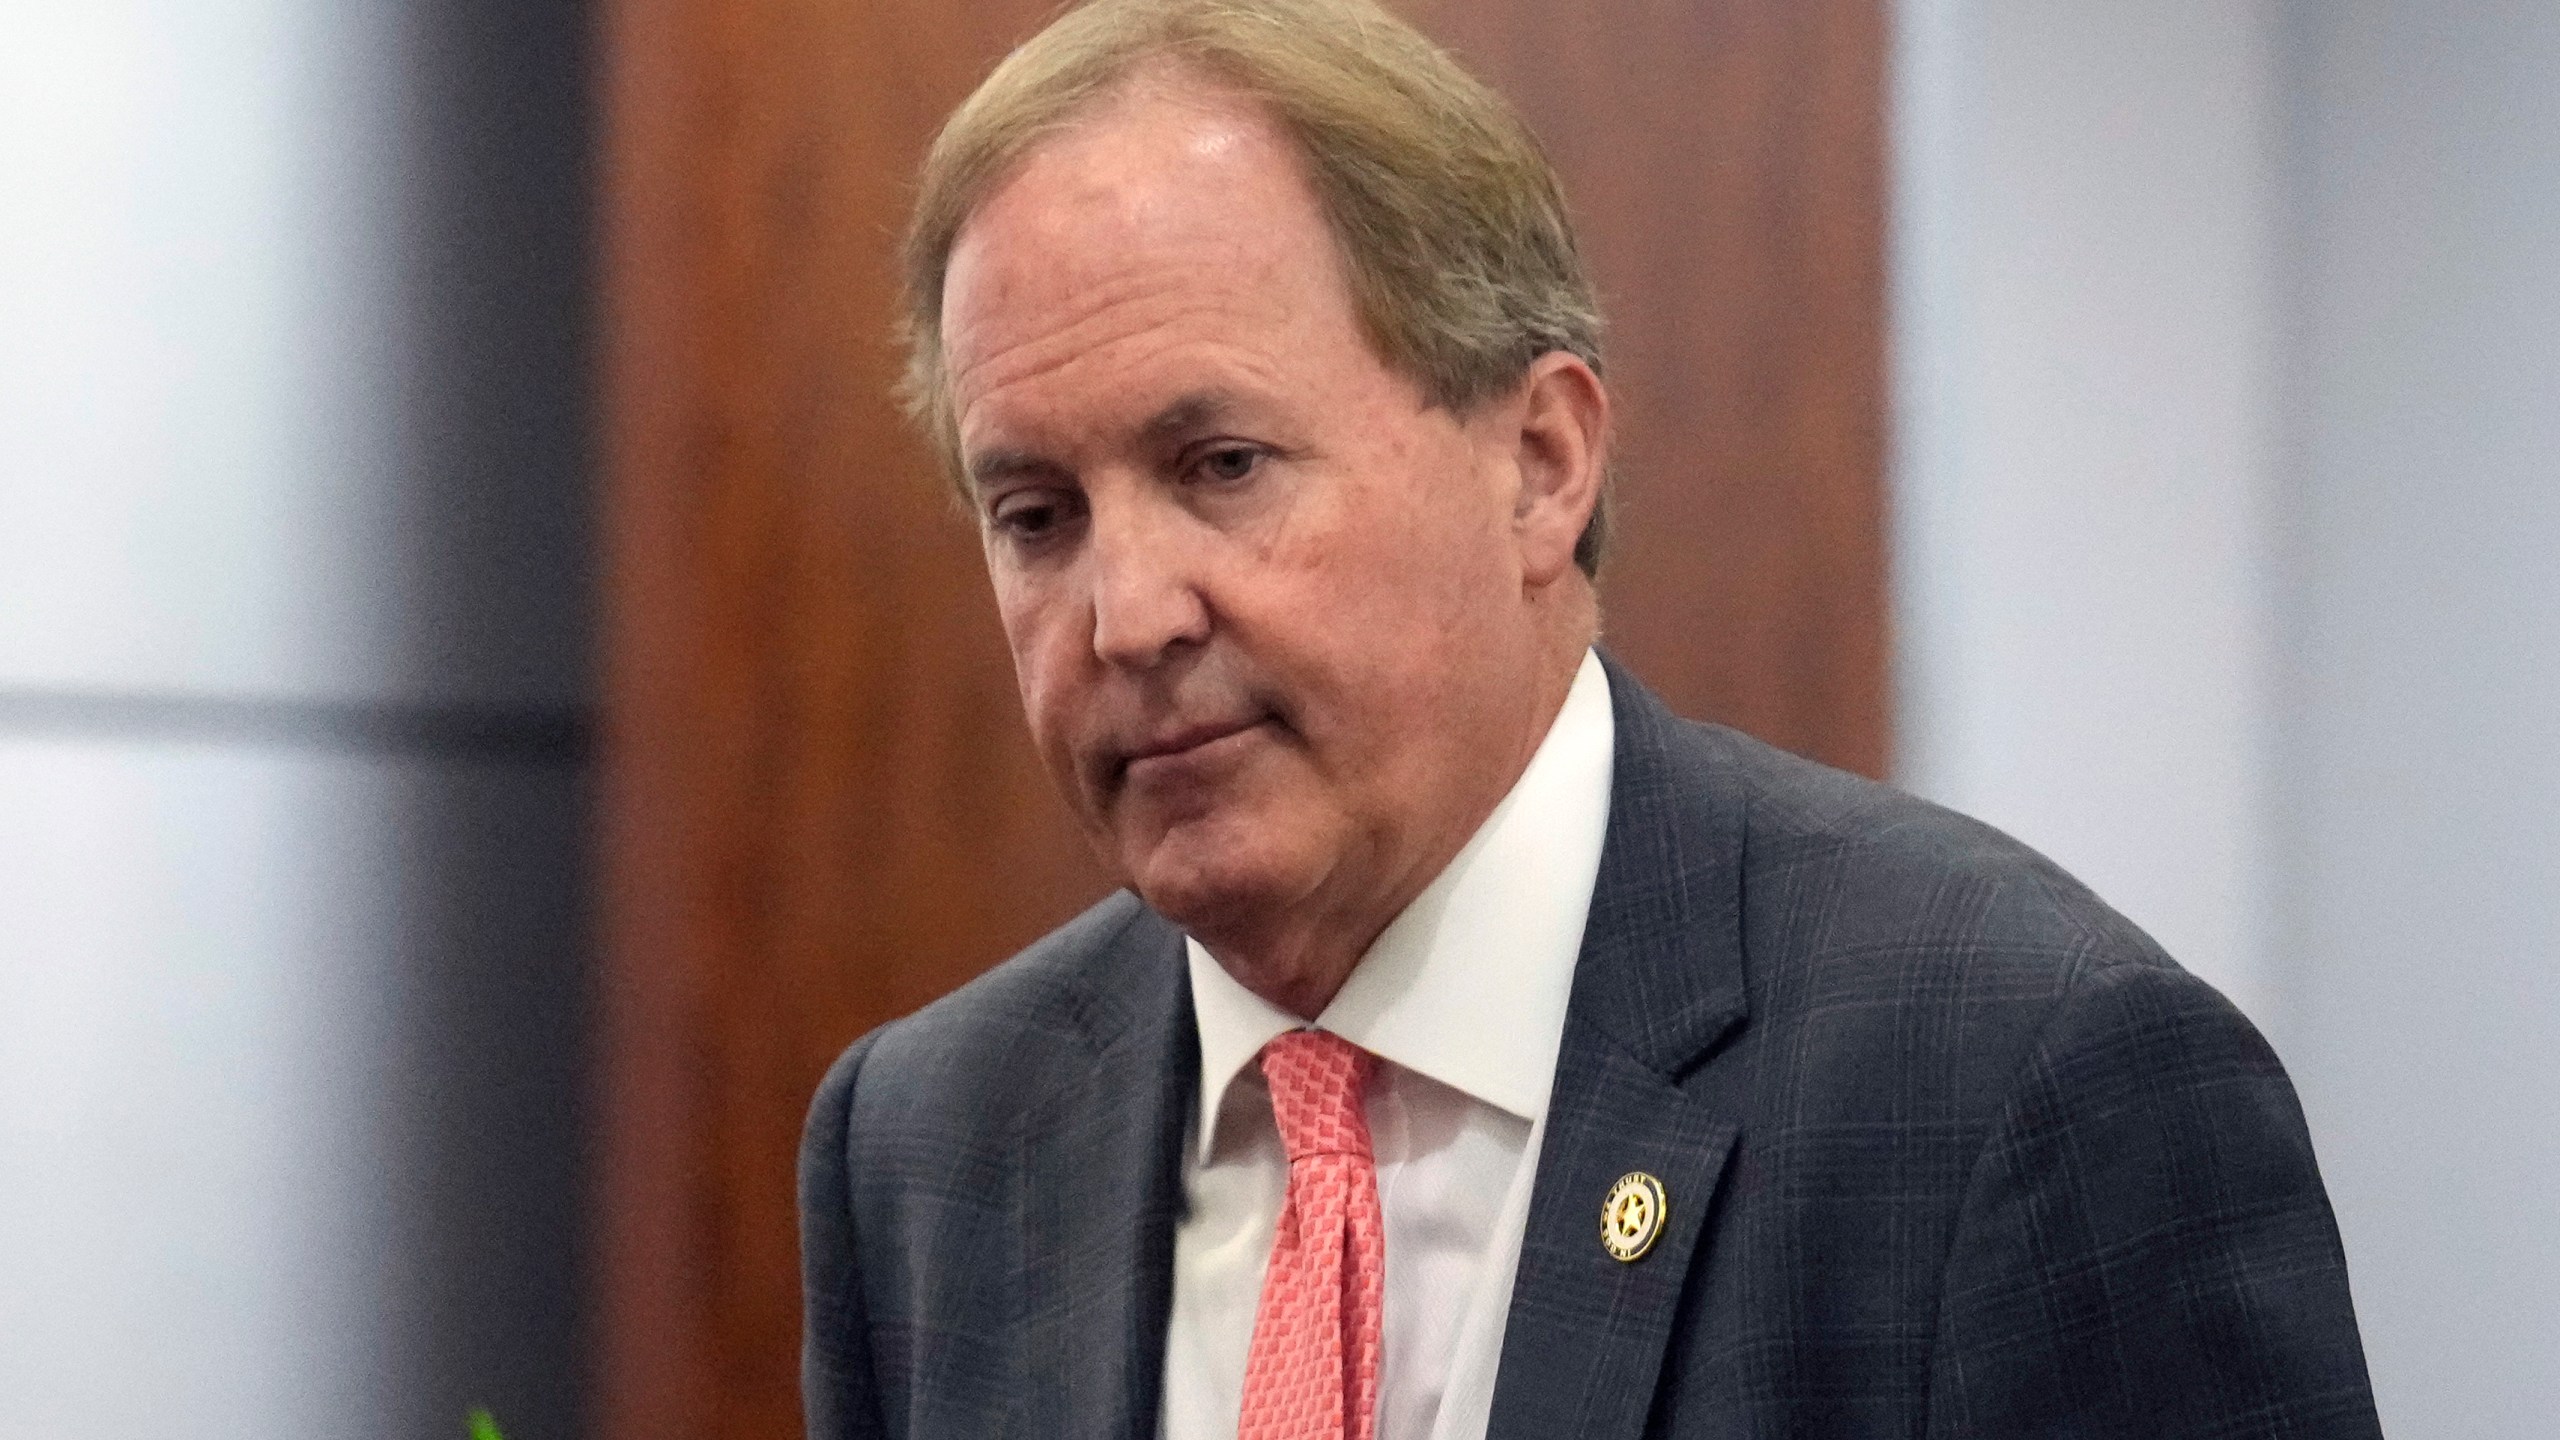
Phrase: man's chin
{"type": "Point", "coordinates": [1209, 889]}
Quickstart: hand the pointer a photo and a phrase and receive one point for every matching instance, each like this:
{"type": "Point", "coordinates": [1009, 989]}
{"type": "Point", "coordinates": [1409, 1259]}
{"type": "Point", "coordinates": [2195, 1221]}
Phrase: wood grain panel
{"type": "Point", "coordinates": [1725, 161]}
{"type": "Point", "coordinates": [821, 808]}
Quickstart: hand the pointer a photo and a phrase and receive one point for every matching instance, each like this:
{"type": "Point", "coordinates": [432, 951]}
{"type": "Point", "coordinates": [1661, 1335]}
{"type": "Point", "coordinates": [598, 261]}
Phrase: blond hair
{"type": "Point", "coordinates": [1461, 259]}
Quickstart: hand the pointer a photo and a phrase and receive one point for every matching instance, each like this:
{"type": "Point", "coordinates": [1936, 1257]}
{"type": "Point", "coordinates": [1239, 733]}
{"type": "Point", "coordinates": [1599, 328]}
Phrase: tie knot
{"type": "Point", "coordinates": [1316, 1083]}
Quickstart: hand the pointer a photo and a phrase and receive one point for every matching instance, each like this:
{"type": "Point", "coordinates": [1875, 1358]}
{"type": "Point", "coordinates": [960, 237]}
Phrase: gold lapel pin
{"type": "Point", "coordinates": [1632, 1215]}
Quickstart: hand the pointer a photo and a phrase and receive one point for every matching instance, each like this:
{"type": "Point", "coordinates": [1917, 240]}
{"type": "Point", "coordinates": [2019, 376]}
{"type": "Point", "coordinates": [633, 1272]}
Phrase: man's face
{"type": "Point", "coordinates": [1265, 604]}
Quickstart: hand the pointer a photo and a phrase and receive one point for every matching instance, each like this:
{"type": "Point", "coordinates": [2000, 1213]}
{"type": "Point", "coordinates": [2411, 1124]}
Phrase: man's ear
{"type": "Point", "coordinates": [1563, 454]}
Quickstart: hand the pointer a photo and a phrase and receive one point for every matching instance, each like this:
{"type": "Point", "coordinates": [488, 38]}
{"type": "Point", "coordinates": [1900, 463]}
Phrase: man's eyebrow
{"type": "Point", "coordinates": [1188, 414]}
{"type": "Point", "coordinates": [1000, 465]}
{"type": "Point", "coordinates": [1184, 415]}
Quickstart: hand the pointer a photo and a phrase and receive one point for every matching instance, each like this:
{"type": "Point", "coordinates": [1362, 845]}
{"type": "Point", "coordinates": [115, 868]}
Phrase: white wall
{"type": "Point", "coordinates": [291, 632]}
{"type": "Point", "coordinates": [2420, 786]}
{"type": "Point", "coordinates": [2081, 356]}
{"type": "Point", "coordinates": [2228, 475]}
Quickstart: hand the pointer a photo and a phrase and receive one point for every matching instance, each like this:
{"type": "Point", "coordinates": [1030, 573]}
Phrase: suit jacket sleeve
{"type": "Point", "coordinates": [2144, 1246]}
{"type": "Point", "coordinates": [838, 1394]}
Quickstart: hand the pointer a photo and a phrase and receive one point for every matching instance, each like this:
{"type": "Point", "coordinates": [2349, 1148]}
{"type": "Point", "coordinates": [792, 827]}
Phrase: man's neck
{"type": "Point", "coordinates": [1298, 957]}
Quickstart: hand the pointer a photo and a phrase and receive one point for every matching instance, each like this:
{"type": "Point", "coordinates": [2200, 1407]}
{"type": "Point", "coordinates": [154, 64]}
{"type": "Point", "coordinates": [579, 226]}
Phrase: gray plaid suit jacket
{"type": "Point", "coordinates": [1951, 1149]}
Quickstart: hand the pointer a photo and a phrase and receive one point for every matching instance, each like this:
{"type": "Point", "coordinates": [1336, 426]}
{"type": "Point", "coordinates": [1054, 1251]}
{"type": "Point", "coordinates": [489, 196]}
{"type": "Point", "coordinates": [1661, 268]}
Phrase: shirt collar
{"type": "Point", "coordinates": [1468, 986]}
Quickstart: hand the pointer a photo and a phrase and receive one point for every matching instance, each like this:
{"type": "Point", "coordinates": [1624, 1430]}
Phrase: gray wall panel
{"type": "Point", "coordinates": [289, 1058]}
{"type": "Point", "coordinates": [2082, 363]}
{"type": "Point", "coordinates": [292, 369]}
{"type": "Point", "coordinates": [294, 602]}
{"type": "Point", "coordinates": [2421, 814]}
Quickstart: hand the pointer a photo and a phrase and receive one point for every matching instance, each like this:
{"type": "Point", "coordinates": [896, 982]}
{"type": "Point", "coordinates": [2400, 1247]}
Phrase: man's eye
{"type": "Point", "coordinates": [1027, 517]}
{"type": "Point", "coordinates": [1229, 463]}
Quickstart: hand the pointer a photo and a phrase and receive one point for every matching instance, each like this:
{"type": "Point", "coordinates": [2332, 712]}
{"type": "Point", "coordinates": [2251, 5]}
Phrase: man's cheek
{"type": "Point", "coordinates": [1069, 759]}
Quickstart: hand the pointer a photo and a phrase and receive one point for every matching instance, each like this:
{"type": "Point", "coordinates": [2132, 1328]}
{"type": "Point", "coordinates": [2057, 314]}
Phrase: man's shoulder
{"type": "Point", "coordinates": [1852, 889]}
{"type": "Point", "coordinates": [1061, 986]}
{"type": "Point", "coordinates": [1909, 862]}
{"type": "Point", "coordinates": [1017, 1030]}
{"type": "Point", "coordinates": [1970, 1096]}
{"type": "Point", "coordinates": [1900, 957]}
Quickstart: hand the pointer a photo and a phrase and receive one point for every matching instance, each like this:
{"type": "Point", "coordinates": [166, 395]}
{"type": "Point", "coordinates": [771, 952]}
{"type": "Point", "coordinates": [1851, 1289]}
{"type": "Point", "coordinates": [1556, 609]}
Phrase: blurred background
{"type": "Point", "coordinates": [491, 699]}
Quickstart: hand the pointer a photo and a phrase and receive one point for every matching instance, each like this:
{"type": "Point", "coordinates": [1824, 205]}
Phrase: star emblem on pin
{"type": "Point", "coordinates": [1632, 1215]}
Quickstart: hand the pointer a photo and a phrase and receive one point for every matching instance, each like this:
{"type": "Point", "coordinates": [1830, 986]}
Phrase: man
{"type": "Point", "coordinates": [1482, 1051]}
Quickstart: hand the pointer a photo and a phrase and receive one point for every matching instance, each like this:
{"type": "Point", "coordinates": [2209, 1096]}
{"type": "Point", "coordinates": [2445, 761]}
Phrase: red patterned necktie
{"type": "Point", "coordinates": [1313, 1371]}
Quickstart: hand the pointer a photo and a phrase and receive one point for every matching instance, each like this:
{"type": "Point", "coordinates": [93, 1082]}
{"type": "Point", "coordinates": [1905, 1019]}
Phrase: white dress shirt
{"type": "Point", "coordinates": [1462, 998]}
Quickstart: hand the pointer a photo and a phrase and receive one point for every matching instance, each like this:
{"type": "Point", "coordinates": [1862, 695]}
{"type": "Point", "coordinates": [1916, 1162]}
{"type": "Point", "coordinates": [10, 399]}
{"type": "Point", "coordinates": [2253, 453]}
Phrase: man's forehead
{"type": "Point", "coordinates": [1157, 124]}
{"type": "Point", "coordinates": [1162, 221]}
{"type": "Point", "coordinates": [1152, 178]}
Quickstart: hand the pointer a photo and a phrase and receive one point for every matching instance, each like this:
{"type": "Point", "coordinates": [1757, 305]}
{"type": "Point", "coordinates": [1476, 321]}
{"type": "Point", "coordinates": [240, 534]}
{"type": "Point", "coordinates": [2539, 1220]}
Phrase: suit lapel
{"type": "Point", "coordinates": [1098, 1191]}
{"type": "Point", "coordinates": [1658, 984]}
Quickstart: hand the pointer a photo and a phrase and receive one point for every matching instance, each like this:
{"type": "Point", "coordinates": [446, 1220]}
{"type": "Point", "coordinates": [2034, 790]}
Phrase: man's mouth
{"type": "Point", "coordinates": [1171, 747]}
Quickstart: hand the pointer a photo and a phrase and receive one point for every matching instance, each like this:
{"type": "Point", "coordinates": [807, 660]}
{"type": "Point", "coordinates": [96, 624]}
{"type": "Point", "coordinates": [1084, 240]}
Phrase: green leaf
{"type": "Point", "coordinates": [483, 1425]}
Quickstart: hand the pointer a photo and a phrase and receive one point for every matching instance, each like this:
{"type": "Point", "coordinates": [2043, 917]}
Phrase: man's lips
{"type": "Point", "coordinates": [1173, 745]}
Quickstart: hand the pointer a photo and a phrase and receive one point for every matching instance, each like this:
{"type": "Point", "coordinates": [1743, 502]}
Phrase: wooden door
{"type": "Point", "coordinates": [821, 809]}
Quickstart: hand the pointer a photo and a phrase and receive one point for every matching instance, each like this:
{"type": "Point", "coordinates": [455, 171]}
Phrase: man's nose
{"type": "Point", "coordinates": [1147, 601]}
